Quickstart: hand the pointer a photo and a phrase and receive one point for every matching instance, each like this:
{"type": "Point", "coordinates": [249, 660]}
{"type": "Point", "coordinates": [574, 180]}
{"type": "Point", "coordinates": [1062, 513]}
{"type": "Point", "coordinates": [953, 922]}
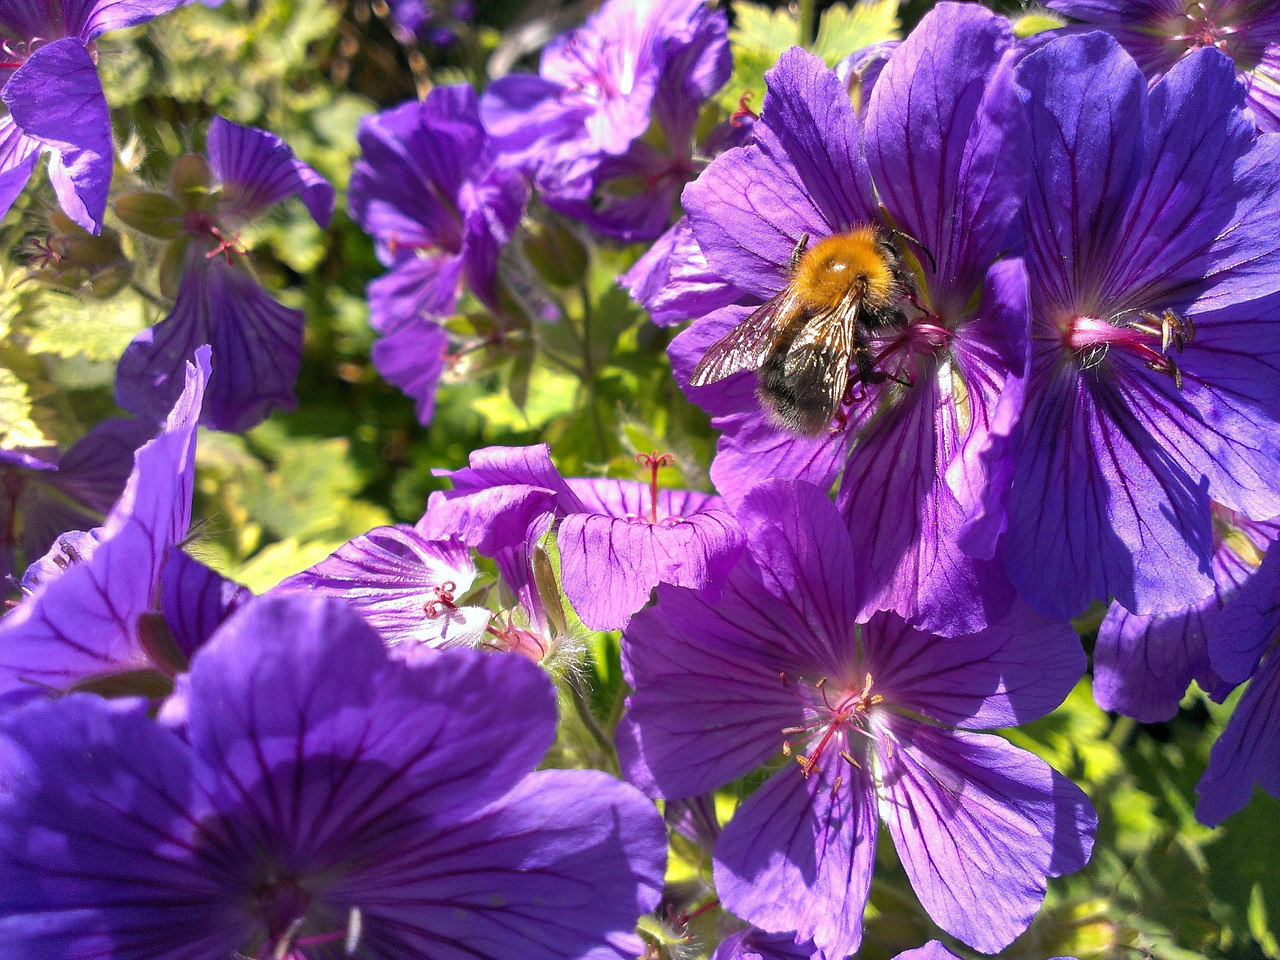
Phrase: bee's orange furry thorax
{"type": "Point", "coordinates": [845, 265]}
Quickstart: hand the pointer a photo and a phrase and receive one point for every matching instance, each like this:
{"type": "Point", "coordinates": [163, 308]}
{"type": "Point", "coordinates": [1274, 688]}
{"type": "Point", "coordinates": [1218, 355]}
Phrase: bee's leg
{"type": "Point", "coordinates": [801, 245]}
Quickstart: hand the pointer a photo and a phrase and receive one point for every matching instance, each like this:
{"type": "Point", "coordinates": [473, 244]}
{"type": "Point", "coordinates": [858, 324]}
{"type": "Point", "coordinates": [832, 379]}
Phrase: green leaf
{"type": "Point", "coordinates": [759, 27]}
{"type": "Point", "coordinates": [17, 428]}
{"type": "Point", "coordinates": [843, 30]}
{"type": "Point", "coordinates": [99, 332]}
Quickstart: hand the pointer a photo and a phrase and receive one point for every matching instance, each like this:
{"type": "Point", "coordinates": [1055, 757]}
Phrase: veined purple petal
{"type": "Point", "coordinates": [196, 600]}
{"type": "Point", "coordinates": [18, 156]}
{"type": "Point", "coordinates": [798, 855]}
{"type": "Point", "coordinates": [757, 945]}
{"type": "Point", "coordinates": [302, 668]}
{"type": "Point", "coordinates": [946, 144]}
{"type": "Point", "coordinates": [257, 348]}
{"type": "Point", "coordinates": [1248, 624]}
{"type": "Point", "coordinates": [257, 170]}
{"type": "Point", "coordinates": [416, 289]}
{"type": "Point", "coordinates": [673, 281]}
{"type": "Point", "coordinates": [979, 825]}
{"type": "Point", "coordinates": [57, 99]}
{"type": "Point", "coordinates": [1142, 665]}
{"type": "Point", "coordinates": [523, 877]}
{"type": "Point", "coordinates": [395, 579]}
{"type": "Point", "coordinates": [1247, 754]}
{"type": "Point", "coordinates": [84, 623]}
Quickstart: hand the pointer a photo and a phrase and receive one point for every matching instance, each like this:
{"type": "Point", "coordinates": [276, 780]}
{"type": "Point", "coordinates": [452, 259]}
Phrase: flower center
{"type": "Point", "coordinates": [199, 224]}
{"type": "Point", "coordinates": [831, 720]}
{"type": "Point", "coordinates": [1146, 336]}
{"type": "Point", "coordinates": [654, 461]}
{"type": "Point", "coordinates": [1205, 24]}
{"type": "Point", "coordinates": [283, 907]}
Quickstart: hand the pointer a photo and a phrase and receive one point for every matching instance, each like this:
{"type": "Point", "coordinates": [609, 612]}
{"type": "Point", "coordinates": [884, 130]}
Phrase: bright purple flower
{"type": "Point", "coordinates": [1154, 383]}
{"type": "Point", "coordinates": [49, 82]}
{"type": "Point", "coordinates": [880, 717]}
{"type": "Point", "coordinates": [1242, 646]}
{"type": "Point", "coordinates": [428, 191]}
{"type": "Point", "coordinates": [94, 619]}
{"type": "Point", "coordinates": [404, 586]}
{"type": "Point", "coordinates": [1142, 665]}
{"type": "Point", "coordinates": [617, 539]}
{"type": "Point", "coordinates": [326, 801]}
{"type": "Point", "coordinates": [43, 495]}
{"type": "Point", "coordinates": [631, 196]}
{"type": "Point", "coordinates": [1160, 33]}
{"type": "Point", "coordinates": [257, 342]}
{"type": "Point", "coordinates": [923, 438]}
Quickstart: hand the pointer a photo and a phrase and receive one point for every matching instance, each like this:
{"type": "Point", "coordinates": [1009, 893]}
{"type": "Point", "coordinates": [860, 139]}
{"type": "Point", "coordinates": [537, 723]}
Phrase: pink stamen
{"type": "Point", "coordinates": [655, 461]}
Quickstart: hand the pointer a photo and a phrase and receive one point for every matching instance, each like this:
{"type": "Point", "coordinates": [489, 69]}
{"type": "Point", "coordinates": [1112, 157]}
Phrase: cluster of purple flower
{"type": "Point", "coordinates": [1012, 302]}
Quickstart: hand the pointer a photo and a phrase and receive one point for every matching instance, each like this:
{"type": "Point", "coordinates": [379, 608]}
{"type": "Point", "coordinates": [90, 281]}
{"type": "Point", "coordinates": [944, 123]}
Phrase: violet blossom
{"type": "Point", "coordinates": [427, 188]}
{"type": "Point", "coordinates": [923, 437]}
{"type": "Point", "coordinates": [1153, 387]}
{"type": "Point", "coordinates": [1160, 33]}
{"type": "Point", "coordinates": [617, 539]}
{"type": "Point", "coordinates": [323, 800]}
{"type": "Point", "coordinates": [121, 607]}
{"type": "Point", "coordinates": [875, 721]}
{"type": "Point", "coordinates": [43, 494]}
{"type": "Point", "coordinates": [49, 83]}
{"type": "Point", "coordinates": [256, 341]}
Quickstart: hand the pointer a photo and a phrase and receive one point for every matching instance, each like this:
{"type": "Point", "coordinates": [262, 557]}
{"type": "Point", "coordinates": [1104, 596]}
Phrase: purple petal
{"type": "Point", "coordinates": [1247, 754]}
{"type": "Point", "coordinates": [1248, 624]}
{"type": "Point", "coordinates": [750, 207]}
{"type": "Point", "coordinates": [18, 156]}
{"type": "Point", "coordinates": [309, 677]}
{"type": "Point", "coordinates": [196, 600]}
{"type": "Point", "coordinates": [411, 356]}
{"type": "Point", "coordinates": [673, 281]}
{"type": "Point", "coordinates": [84, 623]}
{"type": "Point", "coordinates": [257, 348]}
{"type": "Point", "coordinates": [756, 945]}
{"type": "Point", "coordinates": [1015, 671]}
{"type": "Point", "coordinates": [57, 99]}
{"type": "Point", "coordinates": [417, 288]}
{"type": "Point", "coordinates": [944, 122]}
{"type": "Point", "coordinates": [611, 559]}
{"type": "Point", "coordinates": [558, 869]}
{"type": "Point", "coordinates": [257, 170]}
{"type": "Point", "coordinates": [979, 825]}
{"type": "Point", "coordinates": [798, 855]}
{"type": "Point", "coordinates": [100, 848]}
{"type": "Point", "coordinates": [392, 576]}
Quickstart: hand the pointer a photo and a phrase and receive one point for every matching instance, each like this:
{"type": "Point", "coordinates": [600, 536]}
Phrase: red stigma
{"type": "Point", "coordinates": [227, 246]}
{"type": "Point", "coordinates": [444, 600]}
{"type": "Point", "coordinates": [655, 461]}
{"type": "Point", "coordinates": [744, 110]}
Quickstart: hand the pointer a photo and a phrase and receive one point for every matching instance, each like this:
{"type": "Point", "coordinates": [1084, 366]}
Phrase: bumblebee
{"type": "Point", "coordinates": [840, 292]}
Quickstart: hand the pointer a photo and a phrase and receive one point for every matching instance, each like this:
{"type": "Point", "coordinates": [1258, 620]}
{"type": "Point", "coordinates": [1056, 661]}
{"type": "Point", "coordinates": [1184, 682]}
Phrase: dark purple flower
{"type": "Point", "coordinates": [752, 944]}
{"type": "Point", "coordinates": [325, 801]}
{"type": "Point", "coordinates": [617, 539]}
{"type": "Point", "coordinates": [95, 618]}
{"type": "Point", "coordinates": [49, 82]}
{"type": "Point", "coordinates": [922, 431]}
{"type": "Point", "coordinates": [1142, 665]}
{"type": "Point", "coordinates": [43, 495]}
{"type": "Point", "coordinates": [1154, 382]}
{"type": "Point", "coordinates": [1242, 646]}
{"type": "Point", "coordinates": [404, 586]}
{"type": "Point", "coordinates": [257, 342]}
{"type": "Point", "coordinates": [429, 20]}
{"type": "Point", "coordinates": [428, 190]}
{"type": "Point", "coordinates": [880, 718]}
{"type": "Point", "coordinates": [1160, 33]}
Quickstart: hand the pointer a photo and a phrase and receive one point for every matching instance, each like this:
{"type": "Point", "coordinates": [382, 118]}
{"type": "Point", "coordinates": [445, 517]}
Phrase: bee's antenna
{"type": "Point", "coordinates": [933, 264]}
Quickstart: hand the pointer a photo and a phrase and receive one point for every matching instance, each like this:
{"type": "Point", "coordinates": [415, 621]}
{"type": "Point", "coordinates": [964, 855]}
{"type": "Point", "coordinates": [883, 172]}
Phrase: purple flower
{"type": "Point", "coordinates": [631, 196]}
{"type": "Point", "coordinates": [403, 585]}
{"type": "Point", "coordinates": [55, 101]}
{"type": "Point", "coordinates": [43, 495]}
{"type": "Point", "coordinates": [617, 539]}
{"type": "Point", "coordinates": [428, 191]}
{"type": "Point", "coordinates": [922, 427]}
{"type": "Point", "coordinates": [752, 944]}
{"type": "Point", "coordinates": [880, 718]}
{"type": "Point", "coordinates": [325, 797]}
{"type": "Point", "coordinates": [1160, 33]}
{"type": "Point", "coordinates": [257, 343]}
{"type": "Point", "coordinates": [432, 20]}
{"type": "Point", "coordinates": [1242, 647]}
{"type": "Point", "coordinates": [1142, 665]}
{"type": "Point", "coordinates": [1153, 385]}
{"type": "Point", "coordinates": [94, 620]}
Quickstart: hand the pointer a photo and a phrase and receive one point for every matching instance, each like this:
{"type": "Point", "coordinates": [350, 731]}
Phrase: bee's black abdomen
{"type": "Point", "coordinates": [796, 388]}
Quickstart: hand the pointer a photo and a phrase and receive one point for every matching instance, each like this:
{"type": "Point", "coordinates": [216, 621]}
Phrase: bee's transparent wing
{"type": "Point", "coordinates": [746, 346]}
{"type": "Point", "coordinates": [816, 368]}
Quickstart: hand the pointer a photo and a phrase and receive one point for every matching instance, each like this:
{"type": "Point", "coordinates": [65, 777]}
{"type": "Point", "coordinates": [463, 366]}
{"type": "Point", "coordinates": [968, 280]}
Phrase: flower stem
{"type": "Point", "coordinates": [805, 18]}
